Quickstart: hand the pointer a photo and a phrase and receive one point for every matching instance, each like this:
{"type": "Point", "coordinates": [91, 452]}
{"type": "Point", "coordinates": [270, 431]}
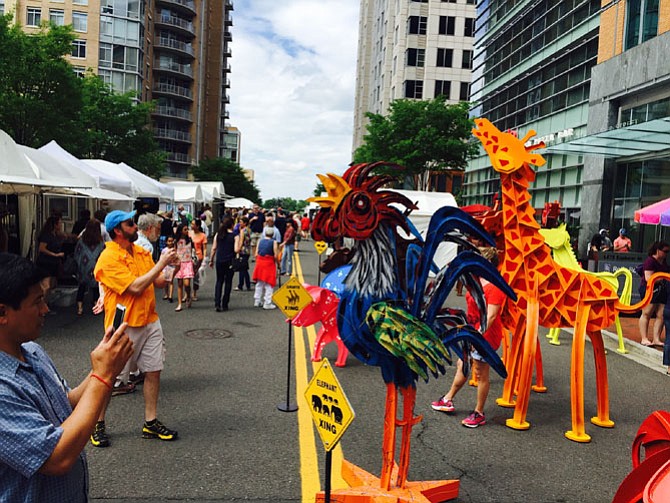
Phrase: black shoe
{"type": "Point", "coordinates": [218, 309]}
{"type": "Point", "coordinates": [158, 430]}
{"type": "Point", "coordinates": [99, 437]}
{"type": "Point", "coordinates": [136, 378]}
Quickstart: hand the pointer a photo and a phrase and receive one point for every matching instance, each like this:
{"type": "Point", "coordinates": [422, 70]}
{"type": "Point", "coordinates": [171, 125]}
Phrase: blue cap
{"type": "Point", "coordinates": [114, 219]}
{"type": "Point", "coordinates": [622, 231]}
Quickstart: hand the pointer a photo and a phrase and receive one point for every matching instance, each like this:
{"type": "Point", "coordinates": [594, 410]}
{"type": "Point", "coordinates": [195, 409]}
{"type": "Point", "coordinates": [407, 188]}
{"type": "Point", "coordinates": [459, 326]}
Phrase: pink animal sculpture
{"type": "Point", "coordinates": [323, 309]}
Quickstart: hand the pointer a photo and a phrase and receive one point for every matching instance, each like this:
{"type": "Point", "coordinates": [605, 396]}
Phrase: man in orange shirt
{"type": "Point", "coordinates": [128, 276]}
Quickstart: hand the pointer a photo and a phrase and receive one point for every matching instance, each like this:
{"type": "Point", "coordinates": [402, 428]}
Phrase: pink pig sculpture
{"type": "Point", "coordinates": [323, 309]}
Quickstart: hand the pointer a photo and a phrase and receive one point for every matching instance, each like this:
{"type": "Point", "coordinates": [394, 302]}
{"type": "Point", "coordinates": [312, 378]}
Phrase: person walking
{"type": "Point", "coordinates": [288, 246]}
{"type": "Point", "coordinates": [265, 272]}
{"type": "Point", "coordinates": [199, 240]}
{"type": "Point", "coordinates": [86, 253]}
{"type": "Point", "coordinates": [45, 424]}
{"type": "Point", "coordinates": [185, 273]}
{"type": "Point", "coordinates": [223, 252]}
{"type": "Point", "coordinates": [243, 249]}
{"type": "Point", "coordinates": [655, 262]}
{"type": "Point", "coordinates": [256, 221]}
{"type": "Point", "coordinates": [128, 276]}
{"type": "Point", "coordinates": [50, 254]}
{"type": "Point", "coordinates": [494, 300]}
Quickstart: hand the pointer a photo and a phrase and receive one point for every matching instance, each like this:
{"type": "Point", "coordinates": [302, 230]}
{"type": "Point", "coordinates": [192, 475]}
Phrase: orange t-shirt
{"type": "Point", "coordinates": [115, 270]}
{"type": "Point", "coordinates": [199, 241]}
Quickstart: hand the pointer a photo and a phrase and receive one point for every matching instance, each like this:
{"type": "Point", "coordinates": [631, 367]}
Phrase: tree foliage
{"type": "Point", "coordinates": [420, 135]}
{"type": "Point", "coordinates": [231, 174]}
{"type": "Point", "coordinates": [319, 189]}
{"type": "Point", "coordinates": [286, 203]}
{"type": "Point", "coordinates": [42, 99]}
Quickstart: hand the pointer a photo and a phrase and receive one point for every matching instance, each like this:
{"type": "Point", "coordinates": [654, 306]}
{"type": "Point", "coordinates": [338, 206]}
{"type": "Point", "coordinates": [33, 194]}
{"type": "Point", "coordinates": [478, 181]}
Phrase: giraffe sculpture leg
{"type": "Point", "coordinates": [512, 363]}
{"type": "Point", "coordinates": [553, 336]}
{"type": "Point", "coordinates": [577, 432]}
{"type": "Point", "coordinates": [518, 422]}
{"type": "Point", "coordinates": [539, 386]}
{"type": "Point", "coordinates": [602, 387]}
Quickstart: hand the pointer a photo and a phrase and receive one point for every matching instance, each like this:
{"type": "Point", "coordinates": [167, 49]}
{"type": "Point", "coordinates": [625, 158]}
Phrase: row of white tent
{"type": "Point", "coordinates": [30, 172]}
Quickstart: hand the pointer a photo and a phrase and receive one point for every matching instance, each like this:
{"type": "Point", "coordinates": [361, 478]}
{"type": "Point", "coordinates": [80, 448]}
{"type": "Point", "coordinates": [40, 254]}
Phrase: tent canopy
{"type": "Point", "coordinates": [187, 193]}
{"type": "Point", "coordinates": [139, 186]}
{"type": "Point", "coordinates": [239, 202]}
{"type": "Point", "coordinates": [657, 213]}
{"type": "Point", "coordinates": [166, 193]}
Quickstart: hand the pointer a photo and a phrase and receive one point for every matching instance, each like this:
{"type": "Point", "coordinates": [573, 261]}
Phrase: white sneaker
{"type": "Point", "coordinates": [269, 306]}
{"type": "Point", "coordinates": [258, 304]}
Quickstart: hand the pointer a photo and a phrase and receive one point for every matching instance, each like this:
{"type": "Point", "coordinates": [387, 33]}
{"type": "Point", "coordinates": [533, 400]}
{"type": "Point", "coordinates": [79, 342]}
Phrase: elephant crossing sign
{"type": "Point", "coordinates": [331, 410]}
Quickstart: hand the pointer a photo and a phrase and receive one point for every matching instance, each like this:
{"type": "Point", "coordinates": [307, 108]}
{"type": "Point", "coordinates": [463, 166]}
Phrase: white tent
{"type": "Point", "coordinates": [166, 192]}
{"type": "Point", "coordinates": [239, 202]}
{"type": "Point", "coordinates": [140, 187]}
{"type": "Point", "coordinates": [216, 188]}
{"type": "Point", "coordinates": [188, 189]}
{"type": "Point", "coordinates": [187, 193]}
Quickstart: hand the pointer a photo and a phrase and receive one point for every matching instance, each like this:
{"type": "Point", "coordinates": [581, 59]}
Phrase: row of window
{"type": "Point", "coordinates": [418, 25]}
{"type": "Point", "coordinates": [444, 59]}
{"type": "Point", "coordinates": [414, 89]}
{"type": "Point", "coordinates": [57, 17]}
{"type": "Point", "coordinates": [470, 2]}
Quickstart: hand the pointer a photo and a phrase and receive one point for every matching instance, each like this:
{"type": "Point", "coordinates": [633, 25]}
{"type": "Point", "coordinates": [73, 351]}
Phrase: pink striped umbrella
{"type": "Point", "coordinates": [657, 213]}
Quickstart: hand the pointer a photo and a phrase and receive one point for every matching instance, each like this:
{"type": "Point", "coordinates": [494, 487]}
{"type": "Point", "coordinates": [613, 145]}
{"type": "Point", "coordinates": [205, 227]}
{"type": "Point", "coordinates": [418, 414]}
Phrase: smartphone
{"type": "Point", "coordinates": [119, 315]}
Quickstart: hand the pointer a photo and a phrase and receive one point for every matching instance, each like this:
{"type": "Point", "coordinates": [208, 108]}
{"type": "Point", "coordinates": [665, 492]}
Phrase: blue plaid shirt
{"type": "Point", "coordinates": [33, 405]}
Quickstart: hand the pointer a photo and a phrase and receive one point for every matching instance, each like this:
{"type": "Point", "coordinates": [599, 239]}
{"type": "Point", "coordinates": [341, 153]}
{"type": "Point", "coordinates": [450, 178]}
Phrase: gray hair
{"type": "Point", "coordinates": [147, 220]}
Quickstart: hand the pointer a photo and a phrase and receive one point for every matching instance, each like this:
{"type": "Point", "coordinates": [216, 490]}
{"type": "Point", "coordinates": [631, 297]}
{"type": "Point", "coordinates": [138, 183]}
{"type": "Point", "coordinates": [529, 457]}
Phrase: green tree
{"type": "Point", "coordinates": [231, 174]}
{"type": "Point", "coordinates": [40, 95]}
{"type": "Point", "coordinates": [287, 203]}
{"type": "Point", "coordinates": [423, 136]}
{"type": "Point", "coordinates": [114, 127]}
{"type": "Point", "coordinates": [318, 190]}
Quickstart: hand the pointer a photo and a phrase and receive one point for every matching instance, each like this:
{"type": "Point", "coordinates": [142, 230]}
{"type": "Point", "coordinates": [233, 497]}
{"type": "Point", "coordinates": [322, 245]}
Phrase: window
{"type": "Point", "coordinates": [79, 49]}
{"type": "Point", "coordinates": [464, 94]}
{"type": "Point", "coordinates": [414, 89]}
{"type": "Point", "coordinates": [34, 16]}
{"type": "Point", "coordinates": [80, 2]}
{"type": "Point", "coordinates": [447, 25]}
{"type": "Point", "coordinates": [80, 21]}
{"type": "Point", "coordinates": [641, 21]}
{"type": "Point", "coordinates": [417, 25]}
{"type": "Point", "coordinates": [57, 17]}
{"type": "Point", "coordinates": [442, 87]}
{"type": "Point", "coordinates": [444, 57]}
{"type": "Point", "coordinates": [469, 27]}
{"type": "Point", "coordinates": [420, 1]}
{"type": "Point", "coordinates": [416, 57]}
{"type": "Point", "coordinates": [79, 71]}
{"type": "Point", "coordinates": [2, 8]}
{"type": "Point", "coordinates": [467, 60]}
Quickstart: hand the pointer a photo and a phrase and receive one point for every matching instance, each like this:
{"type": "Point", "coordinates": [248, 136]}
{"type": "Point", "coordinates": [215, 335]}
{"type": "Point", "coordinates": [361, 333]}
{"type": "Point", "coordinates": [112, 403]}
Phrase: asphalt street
{"type": "Point", "coordinates": [226, 373]}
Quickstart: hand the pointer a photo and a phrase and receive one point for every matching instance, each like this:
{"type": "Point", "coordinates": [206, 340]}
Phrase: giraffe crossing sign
{"type": "Point", "coordinates": [292, 297]}
{"type": "Point", "coordinates": [331, 410]}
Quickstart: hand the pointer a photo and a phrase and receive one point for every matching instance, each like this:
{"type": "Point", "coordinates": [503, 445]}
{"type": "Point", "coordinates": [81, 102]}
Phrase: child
{"type": "Point", "coordinates": [265, 272]}
{"type": "Point", "coordinates": [168, 272]}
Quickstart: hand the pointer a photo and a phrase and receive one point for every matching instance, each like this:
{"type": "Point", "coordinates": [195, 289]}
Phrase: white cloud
{"type": "Point", "coordinates": [292, 90]}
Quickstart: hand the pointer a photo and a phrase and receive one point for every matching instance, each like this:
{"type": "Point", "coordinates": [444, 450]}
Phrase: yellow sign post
{"type": "Point", "coordinates": [292, 297]}
{"type": "Point", "coordinates": [331, 410]}
{"type": "Point", "coordinates": [321, 246]}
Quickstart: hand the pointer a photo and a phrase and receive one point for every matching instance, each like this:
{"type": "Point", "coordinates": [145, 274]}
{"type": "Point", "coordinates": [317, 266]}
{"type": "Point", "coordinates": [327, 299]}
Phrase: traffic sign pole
{"type": "Point", "coordinates": [288, 406]}
{"type": "Point", "coordinates": [318, 282]}
{"type": "Point", "coordinates": [329, 468]}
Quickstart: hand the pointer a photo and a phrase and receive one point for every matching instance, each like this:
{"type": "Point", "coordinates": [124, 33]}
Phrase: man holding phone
{"type": "Point", "coordinates": [128, 276]}
{"type": "Point", "coordinates": [44, 425]}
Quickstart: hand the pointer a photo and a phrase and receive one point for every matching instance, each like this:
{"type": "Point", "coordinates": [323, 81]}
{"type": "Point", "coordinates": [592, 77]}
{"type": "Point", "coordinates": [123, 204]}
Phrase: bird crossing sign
{"type": "Point", "coordinates": [321, 246]}
{"type": "Point", "coordinates": [292, 297]}
{"type": "Point", "coordinates": [331, 410]}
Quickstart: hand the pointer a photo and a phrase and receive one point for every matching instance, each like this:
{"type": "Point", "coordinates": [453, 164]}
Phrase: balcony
{"type": "Point", "coordinates": [229, 20]}
{"type": "Point", "coordinates": [226, 83]}
{"type": "Point", "coordinates": [176, 113]}
{"type": "Point", "coordinates": [172, 134]}
{"type": "Point", "coordinates": [229, 4]}
{"type": "Point", "coordinates": [228, 52]}
{"type": "Point", "coordinates": [225, 98]}
{"type": "Point", "coordinates": [181, 5]}
{"type": "Point", "coordinates": [227, 36]}
{"type": "Point", "coordinates": [177, 157]}
{"type": "Point", "coordinates": [226, 69]}
{"type": "Point", "coordinates": [183, 92]}
{"type": "Point", "coordinates": [174, 45]}
{"type": "Point", "coordinates": [176, 23]}
{"type": "Point", "coordinates": [184, 70]}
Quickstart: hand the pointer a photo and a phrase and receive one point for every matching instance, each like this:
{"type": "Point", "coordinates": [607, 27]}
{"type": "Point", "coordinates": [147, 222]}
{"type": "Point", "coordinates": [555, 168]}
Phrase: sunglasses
{"type": "Point", "coordinates": [130, 222]}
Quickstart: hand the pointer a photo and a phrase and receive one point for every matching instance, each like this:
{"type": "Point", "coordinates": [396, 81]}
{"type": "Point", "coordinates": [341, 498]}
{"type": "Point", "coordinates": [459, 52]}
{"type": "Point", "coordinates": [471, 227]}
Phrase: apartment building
{"type": "Point", "coordinates": [175, 52]}
{"type": "Point", "coordinates": [416, 49]}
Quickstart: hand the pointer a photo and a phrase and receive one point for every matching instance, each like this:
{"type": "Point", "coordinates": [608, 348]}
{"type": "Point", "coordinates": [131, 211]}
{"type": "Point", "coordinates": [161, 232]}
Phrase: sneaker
{"type": "Point", "coordinates": [474, 419]}
{"type": "Point", "coordinates": [258, 304]}
{"type": "Point", "coordinates": [99, 436]}
{"type": "Point", "coordinates": [122, 389]}
{"type": "Point", "coordinates": [443, 405]}
{"type": "Point", "coordinates": [136, 378]}
{"type": "Point", "coordinates": [158, 430]}
{"type": "Point", "coordinates": [269, 306]}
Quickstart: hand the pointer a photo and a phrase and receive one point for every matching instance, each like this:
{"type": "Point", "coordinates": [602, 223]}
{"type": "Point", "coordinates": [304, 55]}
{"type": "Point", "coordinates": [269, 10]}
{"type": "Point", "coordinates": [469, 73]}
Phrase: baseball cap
{"type": "Point", "coordinates": [603, 231]}
{"type": "Point", "coordinates": [114, 218]}
{"type": "Point", "coordinates": [622, 231]}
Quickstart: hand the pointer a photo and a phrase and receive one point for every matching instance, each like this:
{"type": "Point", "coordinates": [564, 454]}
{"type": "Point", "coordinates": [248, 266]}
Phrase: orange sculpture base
{"type": "Point", "coordinates": [365, 487]}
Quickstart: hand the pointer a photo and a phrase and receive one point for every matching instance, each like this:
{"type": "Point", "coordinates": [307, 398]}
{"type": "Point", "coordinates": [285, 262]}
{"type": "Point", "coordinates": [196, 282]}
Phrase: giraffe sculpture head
{"type": "Point", "coordinates": [507, 152]}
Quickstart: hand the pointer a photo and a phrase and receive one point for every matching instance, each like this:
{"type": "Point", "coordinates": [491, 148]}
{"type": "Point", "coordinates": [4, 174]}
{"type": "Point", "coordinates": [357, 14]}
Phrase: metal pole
{"type": "Point", "coordinates": [329, 464]}
{"type": "Point", "coordinates": [318, 282]}
{"type": "Point", "coordinates": [288, 406]}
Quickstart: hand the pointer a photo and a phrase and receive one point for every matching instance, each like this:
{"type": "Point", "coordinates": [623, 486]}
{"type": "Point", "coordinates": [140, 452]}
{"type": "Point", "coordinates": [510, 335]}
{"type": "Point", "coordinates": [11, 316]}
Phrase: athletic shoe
{"type": "Point", "coordinates": [443, 405]}
{"type": "Point", "coordinates": [158, 430]}
{"type": "Point", "coordinates": [136, 378]}
{"type": "Point", "coordinates": [269, 306]}
{"type": "Point", "coordinates": [122, 389]}
{"type": "Point", "coordinates": [474, 419]}
{"type": "Point", "coordinates": [99, 437]}
{"type": "Point", "coordinates": [258, 304]}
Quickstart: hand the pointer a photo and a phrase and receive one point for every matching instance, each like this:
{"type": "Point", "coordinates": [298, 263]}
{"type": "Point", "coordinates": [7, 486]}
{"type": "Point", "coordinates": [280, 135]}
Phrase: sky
{"type": "Point", "coordinates": [293, 74]}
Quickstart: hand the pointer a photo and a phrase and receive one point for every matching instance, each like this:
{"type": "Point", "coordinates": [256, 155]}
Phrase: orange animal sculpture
{"type": "Point", "coordinates": [548, 294]}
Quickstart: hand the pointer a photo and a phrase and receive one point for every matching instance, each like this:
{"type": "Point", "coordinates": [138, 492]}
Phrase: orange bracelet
{"type": "Point", "coordinates": [96, 376]}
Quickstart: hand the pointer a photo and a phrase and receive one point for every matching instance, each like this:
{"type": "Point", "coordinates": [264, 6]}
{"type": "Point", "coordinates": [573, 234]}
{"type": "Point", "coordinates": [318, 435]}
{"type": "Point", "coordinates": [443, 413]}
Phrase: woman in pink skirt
{"type": "Point", "coordinates": [185, 273]}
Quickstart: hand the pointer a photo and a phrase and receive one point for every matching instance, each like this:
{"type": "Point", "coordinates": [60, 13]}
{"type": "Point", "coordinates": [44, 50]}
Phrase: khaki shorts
{"type": "Point", "coordinates": [149, 347]}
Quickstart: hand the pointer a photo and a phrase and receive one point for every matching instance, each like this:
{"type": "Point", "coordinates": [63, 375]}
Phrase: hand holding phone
{"type": "Point", "coordinates": [119, 316]}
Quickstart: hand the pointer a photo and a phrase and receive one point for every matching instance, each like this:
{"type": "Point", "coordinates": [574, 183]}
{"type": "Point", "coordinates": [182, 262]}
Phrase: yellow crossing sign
{"type": "Point", "coordinates": [331, 410]}
{"type": "Point", "coordinates": [321, 246]}
{"type": "Point", "coordinates": [292, 297]}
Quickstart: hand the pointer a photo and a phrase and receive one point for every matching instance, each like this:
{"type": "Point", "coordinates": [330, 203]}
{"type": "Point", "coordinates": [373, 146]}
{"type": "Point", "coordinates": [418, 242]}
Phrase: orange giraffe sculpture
{"type": "Point", "coordinates": [548, 294]}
